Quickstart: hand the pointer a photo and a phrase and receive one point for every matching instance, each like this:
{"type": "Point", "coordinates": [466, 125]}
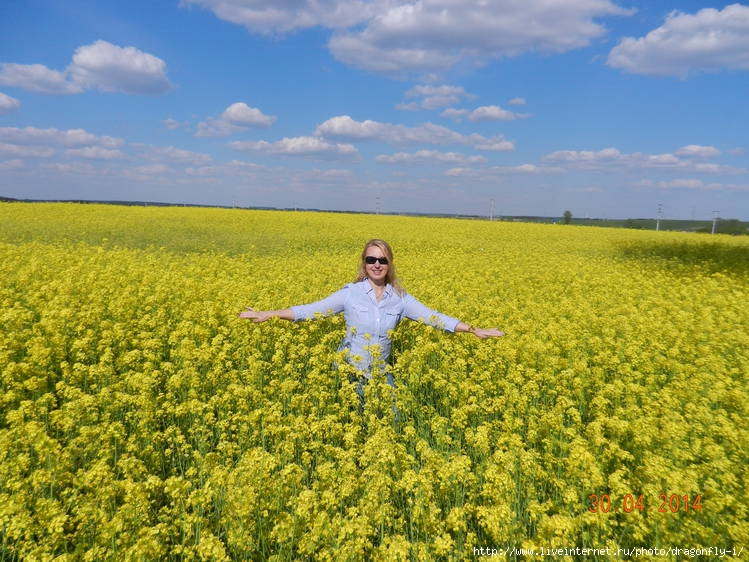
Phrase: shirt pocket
{"type": "Point", "coordinates": [391, 319]}
{"type": "Point", "coordinates": [360, 318]}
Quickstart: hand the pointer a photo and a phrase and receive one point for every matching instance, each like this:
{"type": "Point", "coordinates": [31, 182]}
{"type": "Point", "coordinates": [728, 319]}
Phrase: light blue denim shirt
{"type": "Point", "coordinates": [368, 320]}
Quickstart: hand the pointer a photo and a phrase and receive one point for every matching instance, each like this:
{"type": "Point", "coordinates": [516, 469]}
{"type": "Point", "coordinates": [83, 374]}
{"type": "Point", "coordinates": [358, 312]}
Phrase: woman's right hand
{"type": "Point", "coordinates": [256, 315]}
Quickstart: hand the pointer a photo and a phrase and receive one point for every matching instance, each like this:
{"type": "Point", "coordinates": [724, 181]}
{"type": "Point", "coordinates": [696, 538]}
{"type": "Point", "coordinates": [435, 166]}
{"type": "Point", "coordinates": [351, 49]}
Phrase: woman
{"type": "Point", "coordinates": [372, 306]}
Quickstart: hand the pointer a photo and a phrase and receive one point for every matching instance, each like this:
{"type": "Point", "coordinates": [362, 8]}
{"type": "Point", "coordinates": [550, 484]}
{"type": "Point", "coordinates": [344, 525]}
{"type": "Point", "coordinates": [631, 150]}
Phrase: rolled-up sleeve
{"type": "Point", "coordinates": [332, 304]}
{"type": "Point", "coordinates": [415, 310]}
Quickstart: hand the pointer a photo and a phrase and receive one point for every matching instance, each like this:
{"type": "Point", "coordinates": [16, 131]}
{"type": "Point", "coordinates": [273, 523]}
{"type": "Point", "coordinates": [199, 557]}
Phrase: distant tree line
{"type": "Point", "coordinates": [727, 226]}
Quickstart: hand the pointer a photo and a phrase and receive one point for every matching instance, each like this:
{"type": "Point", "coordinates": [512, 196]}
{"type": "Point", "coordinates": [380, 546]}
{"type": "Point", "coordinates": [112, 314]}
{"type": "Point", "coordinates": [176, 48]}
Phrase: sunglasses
{"type": "Point", "coordinates": [371, 259]}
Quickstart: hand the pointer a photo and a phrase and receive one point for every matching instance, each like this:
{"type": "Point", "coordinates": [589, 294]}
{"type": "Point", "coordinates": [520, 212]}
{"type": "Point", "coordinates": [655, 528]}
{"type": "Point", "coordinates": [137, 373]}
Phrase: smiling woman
{"type": "Point", "coordinates": [372, 307]}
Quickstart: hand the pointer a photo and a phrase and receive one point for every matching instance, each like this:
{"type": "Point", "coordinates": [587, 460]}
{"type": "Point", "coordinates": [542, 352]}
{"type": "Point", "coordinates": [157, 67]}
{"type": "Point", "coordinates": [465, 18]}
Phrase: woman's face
{"type": "Point", "coordinates": [377, 271]}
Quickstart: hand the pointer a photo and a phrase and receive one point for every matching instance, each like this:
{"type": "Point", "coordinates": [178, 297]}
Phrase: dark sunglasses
{"type": "Point", "coordinates": [371, 259]}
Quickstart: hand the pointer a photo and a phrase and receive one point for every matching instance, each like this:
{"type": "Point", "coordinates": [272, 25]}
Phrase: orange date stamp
{"type": "Point", "coordinates": [633, 503]}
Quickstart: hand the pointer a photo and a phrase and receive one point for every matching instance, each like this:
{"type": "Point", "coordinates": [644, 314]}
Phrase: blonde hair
{"type": "Point", "coordinates": [391, 276]}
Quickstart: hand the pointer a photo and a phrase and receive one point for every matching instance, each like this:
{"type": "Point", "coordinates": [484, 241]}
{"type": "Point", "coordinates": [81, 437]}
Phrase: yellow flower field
{"type": "Point", "coordinates": [142, 420]}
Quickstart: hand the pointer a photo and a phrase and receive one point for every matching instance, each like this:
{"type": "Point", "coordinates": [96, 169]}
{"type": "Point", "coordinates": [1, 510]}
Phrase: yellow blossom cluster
{"type": "Point", "coordinates": [141, 419]}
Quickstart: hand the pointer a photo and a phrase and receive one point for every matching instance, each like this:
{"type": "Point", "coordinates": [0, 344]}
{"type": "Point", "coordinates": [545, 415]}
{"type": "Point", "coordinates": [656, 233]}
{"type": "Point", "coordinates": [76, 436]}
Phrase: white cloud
{"type": "Point", "coordinates": [517, 101]}
{"type": "Point", "coordinates": [37, 78]}
{"type": "Point", "coordinates": [344, 127]}
{"type": "Point", "coordinates": [78, 168]}
{"type": "Point", "coordinates": [274, 16]}
{"type": "Point", "coordinates": [110, 68]}
{"type": "Point", "coordinates": [428, 156]}
{"type": "Point", "coordinates": [26, 151]}
{"type": "Point", "coordinates": [434, 97]}
{"type": "Point", "coordinates": [95, 153]}
{"type": "Point", "coordinates": [245, 168]}
{"type": "Point", "coordinates": [177, 155]}
{"type": "Point", "coordinates": [495, 171]}
{"type": "Point", "coordinates": [202, 171]}
{"type": "Point", "coordinates": [44, 143]}
{"type": "Point", "coordinates": [171, 124]}
{"type": "Point", "coordinates": [297, 146]}
{"type": "Point", "coordinates": [494, 113]}
{"type": "Point", "coordinates": [245, 116]}
{"type": "Point", "coordinates": [56, 137]}
{"type": "Point", "coordinates": [682, 184]}
{"type": "Point", "coordinates": [484, 113]}
{"type": "Point", "coordinates": [429, 36]}
{"type": "Point", "coordinates": [613, 158]}
{"type": "Point", "coordinates": [152, 170]}
{"type": "Point", "coordinates": [100, 66]}
{"type": "Point", "coordinates": [709, 40]}
{"type": "Point", "coordinates": [426, 36]}
{"type": "Point", "coordinates": [697, 151]}
{"type": "Point", "coordinates": [690, 184]}
{"type": "Point", "coordinates": [455, 114]}
{"type": "Point", "coordinates": [8, 104]}
{"type": "Point", "coordinates": [532, 169]}
{"type": "Point", "coordinates": [236, 118]}
{"type": "Point", "coordinates": [15, 164]}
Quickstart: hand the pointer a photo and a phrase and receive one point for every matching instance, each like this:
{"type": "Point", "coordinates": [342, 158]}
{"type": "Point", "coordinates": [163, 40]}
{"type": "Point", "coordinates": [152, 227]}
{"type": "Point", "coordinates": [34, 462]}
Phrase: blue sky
{"type": "Point", "coordinates": [606, 108]}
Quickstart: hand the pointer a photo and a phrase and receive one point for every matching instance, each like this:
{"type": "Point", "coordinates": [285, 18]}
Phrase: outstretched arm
{"type": "Point", "coordinates": [417, 311]}
{"type": "Point", "coordinates": [479, 332]}
{"type": "Point", "coordinates": [331, 304]}
{"type": "Point", "coordinates": [263, 315]}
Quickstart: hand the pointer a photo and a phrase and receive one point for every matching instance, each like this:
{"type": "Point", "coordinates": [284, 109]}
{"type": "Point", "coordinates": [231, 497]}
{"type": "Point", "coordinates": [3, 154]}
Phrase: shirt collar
{"type": "Point", "coordinates": [370, 287]}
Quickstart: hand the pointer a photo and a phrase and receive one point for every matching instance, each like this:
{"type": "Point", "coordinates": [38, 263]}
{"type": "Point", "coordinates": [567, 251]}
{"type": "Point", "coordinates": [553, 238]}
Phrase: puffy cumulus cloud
{"type": "Point", "coordinates": [176, 155]}
{"type": "Point", "coordinates": [282, 16]}
{"type": "Point", "coordinates": [433, 97]}
{"type": "Point", "coordinates": [95, 153]}
{"type": "Point", "coordinates": [495, 113]}
{"type": "Point", "coordinates": [44, 143]}
{"type": "Point", "coordinates": [110, 68]}
{"type": "Point", "coordinates": [100, 66]}
{"type": "Point", "coordinates": [430, 156]}
{"type": "Point", "coordinates": [345, 128]}
{"type": "Point", "coordinates": [434, 35]}
{"type": "Point", "coordinates": [613, 158]}
{"type": "Point", "coordinates": [314, 147]}
{"type": "Point", "coordinates": [709, 40]}
{"type": "Point", "coordinates": [697, 151]}
{"type": "Point", "coordinates": [245, 116]}
{"type": "Point", "coordinates": [685, 184]}
{"type": "Point", "coordinates": [37, 78]}
{"type": "Point", "coordinates": [236, 118]}
{"type": "Point", "coordinates": [607, 154]}
{"type": "Point", "coordinates": [56, 137]}
{"type": "Point", "coordinates": [495, 171]}
{"type": "Point", "coordinates": [484, 113]}
{"type": "Point", "coordinates": [403, 36]}
{"type": "Point", "coordinates": [8, 104]}
{"type": "Point", "coordinates": [26, 151]}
